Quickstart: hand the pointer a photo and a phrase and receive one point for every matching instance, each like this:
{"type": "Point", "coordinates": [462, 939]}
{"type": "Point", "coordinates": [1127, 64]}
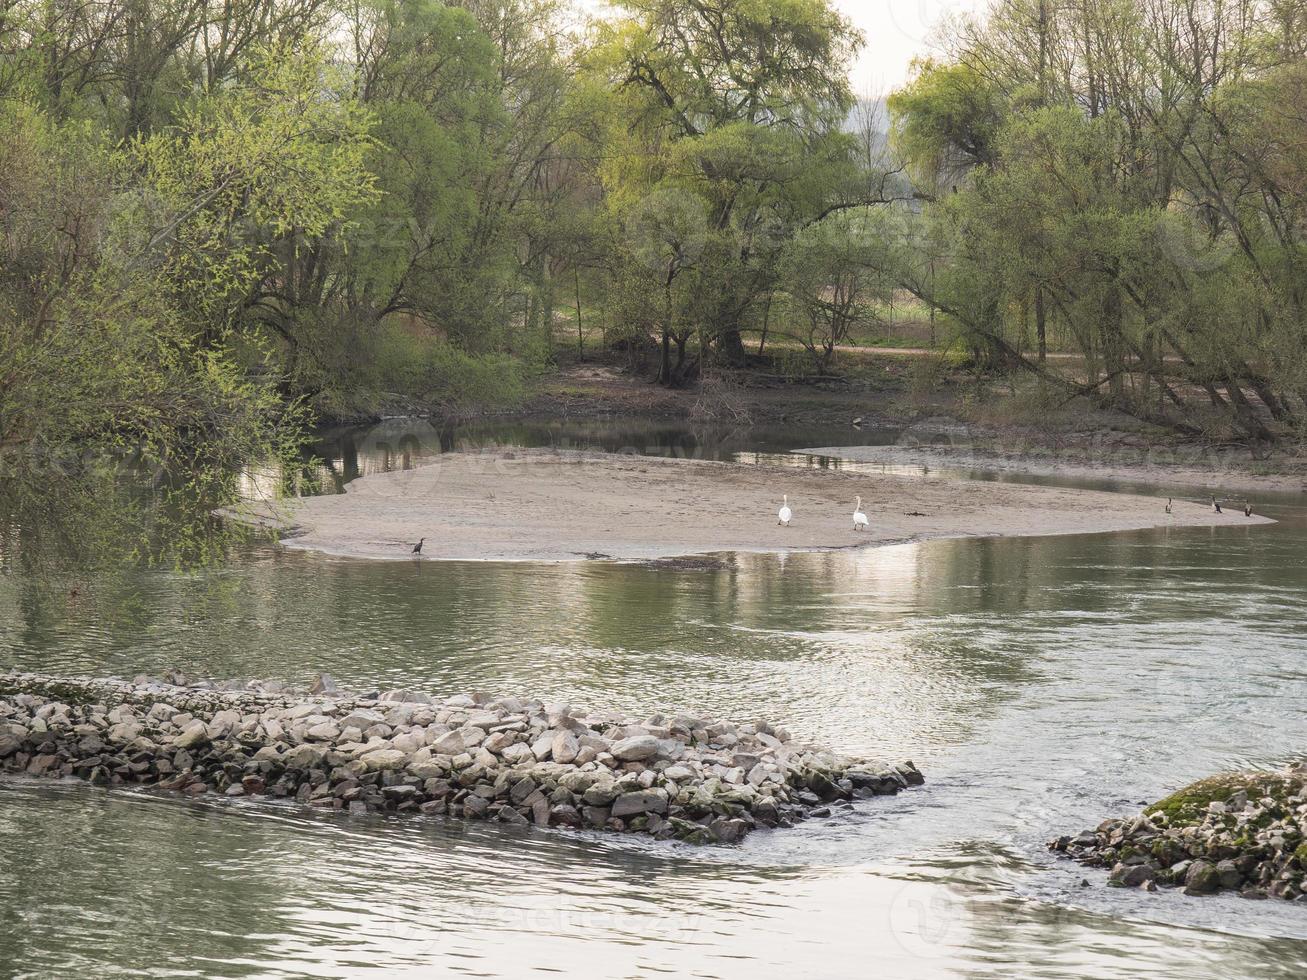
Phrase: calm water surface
{"type": "Point", "coordinates": [1041, 684]}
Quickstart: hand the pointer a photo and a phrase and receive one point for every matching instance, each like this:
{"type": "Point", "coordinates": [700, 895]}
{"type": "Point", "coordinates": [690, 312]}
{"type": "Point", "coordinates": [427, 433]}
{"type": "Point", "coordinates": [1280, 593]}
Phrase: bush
{"type": "Point", "coordinates": [396, 359]}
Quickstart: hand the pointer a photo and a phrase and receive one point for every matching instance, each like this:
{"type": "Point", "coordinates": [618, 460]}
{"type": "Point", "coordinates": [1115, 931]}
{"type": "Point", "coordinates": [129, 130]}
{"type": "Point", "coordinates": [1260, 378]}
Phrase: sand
{"type": "Point", "coordinates": [540, 505]}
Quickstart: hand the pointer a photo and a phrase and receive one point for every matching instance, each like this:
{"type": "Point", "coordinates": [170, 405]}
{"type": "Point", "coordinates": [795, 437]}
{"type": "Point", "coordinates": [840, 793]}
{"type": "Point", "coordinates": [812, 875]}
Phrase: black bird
{"type": "Point", "coordinates": [1247, 510]}
{"type": "Point", "coordinates": [1216, 506]}
{"type": "Point", "coordinates": [417, 548]}
{"type": "Point", "coordinates": [1168, 505]}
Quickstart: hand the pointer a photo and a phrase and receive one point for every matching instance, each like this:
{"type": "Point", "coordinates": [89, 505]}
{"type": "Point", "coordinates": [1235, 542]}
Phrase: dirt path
{"type": "Point", "coordinates": [550, 506]}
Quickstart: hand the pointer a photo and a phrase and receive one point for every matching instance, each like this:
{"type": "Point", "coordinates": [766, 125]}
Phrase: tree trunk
{"type": "Point", "coordinates": [1041, 335]}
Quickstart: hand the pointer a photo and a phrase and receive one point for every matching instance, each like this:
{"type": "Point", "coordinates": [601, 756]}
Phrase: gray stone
{"type": "Point", "coordinates": [450, 743]}
{"type": "Point", "coordinates": [195, 734]}
{"type": "Point", "coordinates": [642, 801]}
{"type": "Point", "coordinates": [601, 794]}
{"type": "Point", "coordinates": [1131, 876]}
{"type": "Point", "coordinates": [1201, 879]}
{"type": "Point", "coordinates": [384, 760]}
{"type": "Point", "coordinates": [362, 719]}
{"type": "Point", "coordinates": [565, 747]}
{"type": "Point", "coordinates": [325, 732]}
{"type": "Point", "coordinates": [635, 748]}
{"type": "Point", "coordinates": [518, 752]}
{"type": "Point", "coordinates": [543, 746]}
{"type": "Point", "coordinates": [303, 757]}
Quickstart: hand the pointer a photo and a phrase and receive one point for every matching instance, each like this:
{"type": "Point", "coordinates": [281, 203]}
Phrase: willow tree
{"type": "Point", "coordinates": [737, 104]}
{"type": "Point", "coordinates": [1131, 166]}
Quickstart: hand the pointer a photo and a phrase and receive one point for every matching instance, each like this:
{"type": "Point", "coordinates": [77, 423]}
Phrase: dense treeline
{"type": "Point", "coordinates": [1129, 178]}
{"type": "Point", "coordinates": [209, 210]}
{"type": "Point", "coordinates": [214, 212]}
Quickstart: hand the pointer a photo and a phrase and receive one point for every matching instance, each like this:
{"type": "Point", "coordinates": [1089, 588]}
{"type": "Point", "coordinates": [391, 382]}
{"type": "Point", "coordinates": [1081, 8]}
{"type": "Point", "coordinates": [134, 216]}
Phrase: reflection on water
{"type": "Point", "coordinates": [1040, 683]}
{"type": "Point", "coordinates": [344, 454]}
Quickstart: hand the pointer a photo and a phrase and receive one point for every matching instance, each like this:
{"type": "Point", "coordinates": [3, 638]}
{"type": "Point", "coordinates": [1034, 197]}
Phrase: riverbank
{"type": "Point", "coordinates": [1227, 472]}
{"type": "Point", "coordinates": [1241, 832]}
{"type": "Point", "coordinates": [950, 422]}
{"type": "Point", "coordinates": [515, 761]}
{"type": "Point", "coordinates": [541, 505]}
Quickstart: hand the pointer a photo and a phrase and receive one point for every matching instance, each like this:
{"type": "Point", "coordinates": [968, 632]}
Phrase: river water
{"type": "Point", "coordinates": [1041, 684]}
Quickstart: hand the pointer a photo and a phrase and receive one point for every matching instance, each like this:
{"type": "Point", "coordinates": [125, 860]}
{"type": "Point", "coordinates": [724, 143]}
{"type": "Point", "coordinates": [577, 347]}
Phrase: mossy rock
{"type": "Point", "coordinates": [1300, 854]}
{"type": "Point", "coordinates": [1189, 805]}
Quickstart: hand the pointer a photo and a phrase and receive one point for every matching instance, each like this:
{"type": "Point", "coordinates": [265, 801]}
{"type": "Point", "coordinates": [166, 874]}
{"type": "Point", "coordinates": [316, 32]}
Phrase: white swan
{"type": "Point", "coordinates": [784, 514]}
{"type": "Point", "coordinates": [859, 518]}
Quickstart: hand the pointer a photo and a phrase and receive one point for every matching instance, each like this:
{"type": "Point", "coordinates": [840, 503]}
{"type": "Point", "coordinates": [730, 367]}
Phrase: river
{"type": "Point", "coordinates": [1041, 684]}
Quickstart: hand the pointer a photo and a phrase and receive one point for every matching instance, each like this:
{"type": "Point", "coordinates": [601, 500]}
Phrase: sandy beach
{"type": "Point", "coordinates": [539, 505]}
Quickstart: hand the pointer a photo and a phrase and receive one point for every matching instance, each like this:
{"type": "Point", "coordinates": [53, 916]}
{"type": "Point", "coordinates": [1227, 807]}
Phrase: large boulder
{"type": "Point", "coordinates": [641, 801]}
{"type": "Point", "coordinates": [193, 735]}
{"type": "Point", "coordinates": [1202, 878]}
{"type": "Point", "coordinates": [565, 747]}
{"type": "Point", "coordinates": [634, 749]}
{"type": "Point", "coordinates": [384, 760]}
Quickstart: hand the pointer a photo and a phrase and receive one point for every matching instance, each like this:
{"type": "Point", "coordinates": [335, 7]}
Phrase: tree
{"type": "Point", "coordinates": [739, 103]}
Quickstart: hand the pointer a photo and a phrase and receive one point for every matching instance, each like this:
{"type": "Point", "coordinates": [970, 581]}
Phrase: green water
{"type": "Point", "coordinates": [1041, 683]}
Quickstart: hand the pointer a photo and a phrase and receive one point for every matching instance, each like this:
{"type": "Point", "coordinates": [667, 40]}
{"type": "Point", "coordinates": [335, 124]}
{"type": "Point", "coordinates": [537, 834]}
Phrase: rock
{"type": "Point", "coordinates": [564, 815]}
{"type": "Point", "coordinates": [195, 734]}
{"type": "Point", "coordinates": [517, 753]}
{"type": "Point", "coordinates": [601, 794]}
{"type": "Point", "coordinates": [1201, 879]}
{"type": "Point", "coordinates": [511, 760]}
{"type": "Point", "coordinates": [1228, 874]}
{"type": "Point", "coordinates": [325, 732]}
{"type": "Point", "coordinates": [642, 801]}
{"type": "Point", "coordinates": [635, 748]}
{"type": "Point", "coordinates": [450, 743]}
{"type": "Point", "coordinates": [323, 684]}
{"type": "Point", "coordinates": [362, 719]}
{"type": "Point", "coordinates": [1131, 876]}
{"type": "Point", "coordinates": [565, 747]}
{"type": "Point", "coordinates": [543, 746]}
{"type": "Point", "coordinates": [384, 760]}
{"type": "Point", "coordinates": [726, 831]}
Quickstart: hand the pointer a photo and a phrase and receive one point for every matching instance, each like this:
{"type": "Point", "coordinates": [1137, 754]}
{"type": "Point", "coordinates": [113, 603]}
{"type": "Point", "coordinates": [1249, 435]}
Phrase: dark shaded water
{"type": "Point", "coordinates": [1041, 684]}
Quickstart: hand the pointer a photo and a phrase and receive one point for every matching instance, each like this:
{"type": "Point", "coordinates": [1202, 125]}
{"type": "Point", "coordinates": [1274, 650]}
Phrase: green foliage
{"type": "Point", "coordinates": [947, 119]}
{"type": "Point", "coordinates": [1141, 205]}
{"type": "Point", "coordinates": [283, 154]}
{"type": "Point", "coordinates": [722, 139]}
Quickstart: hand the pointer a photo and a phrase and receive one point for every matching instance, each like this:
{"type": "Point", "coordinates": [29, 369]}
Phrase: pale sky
{"type": "Point", "coordinates": [896, 31]}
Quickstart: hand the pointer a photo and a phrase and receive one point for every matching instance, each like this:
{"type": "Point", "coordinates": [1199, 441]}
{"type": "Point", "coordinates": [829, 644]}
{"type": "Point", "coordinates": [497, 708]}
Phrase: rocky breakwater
{"type": "Point", "coordinates": [505, 759]}
{"type": "Point", "coordinates": [1244, 832]}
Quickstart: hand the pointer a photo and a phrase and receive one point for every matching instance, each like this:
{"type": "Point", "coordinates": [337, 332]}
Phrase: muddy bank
{"type": "Point", "coordinates": [511, 760]}
{"type": "Point", "coordinates": [542, 505]}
